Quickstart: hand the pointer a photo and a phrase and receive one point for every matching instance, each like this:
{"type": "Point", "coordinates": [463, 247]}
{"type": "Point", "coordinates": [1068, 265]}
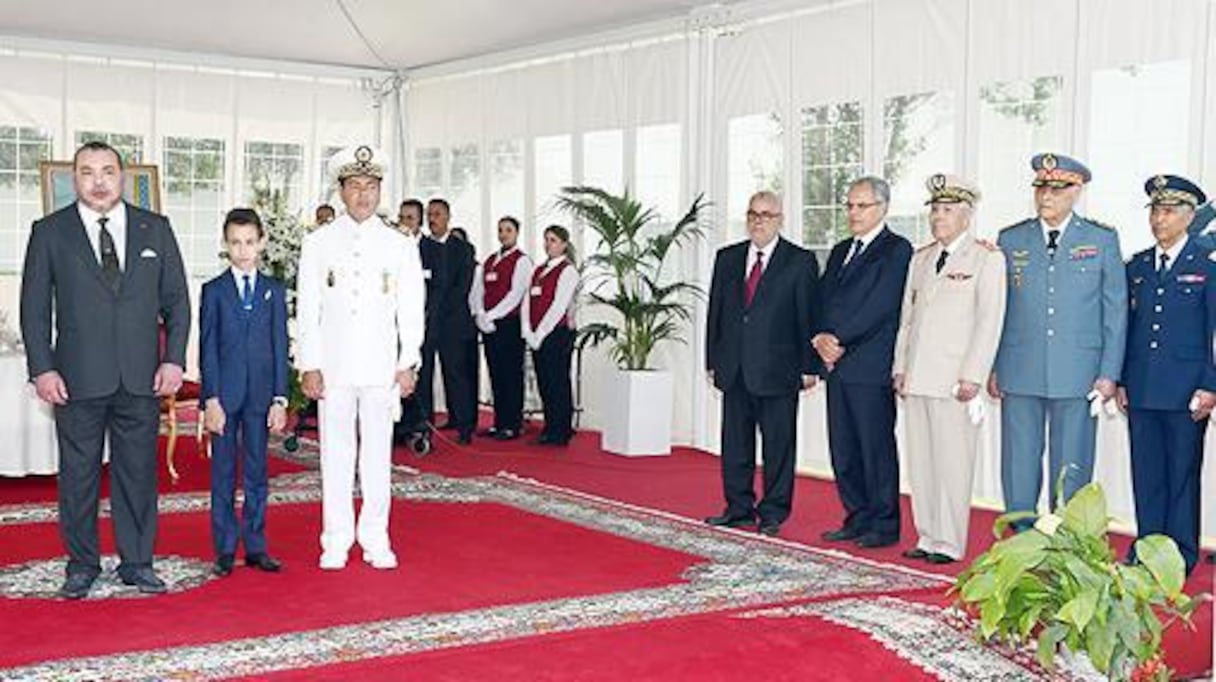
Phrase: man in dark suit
{"type": "Point", "coordinates": [108, 274]}
{"type": "Point", "coordinates": [863, 288]}
{"type": "Point", "coordinates": [763, 304]}
{"type": "Point", "coordinates": [243, 362]}
{"type": "Point", "coordinates": [447, 266]}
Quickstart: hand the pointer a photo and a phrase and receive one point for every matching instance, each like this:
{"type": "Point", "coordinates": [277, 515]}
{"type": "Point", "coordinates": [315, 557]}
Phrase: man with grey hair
{"type": "Point", "coordinates": [862, 295]}
{"type": "Point", "coordinates": [950, 325]}
{"type": "Point", "coordinates": [762, 309]}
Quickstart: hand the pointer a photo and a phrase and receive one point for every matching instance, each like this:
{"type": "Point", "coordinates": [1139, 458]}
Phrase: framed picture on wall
{"type": "Point", "coordinates": [141, 187]}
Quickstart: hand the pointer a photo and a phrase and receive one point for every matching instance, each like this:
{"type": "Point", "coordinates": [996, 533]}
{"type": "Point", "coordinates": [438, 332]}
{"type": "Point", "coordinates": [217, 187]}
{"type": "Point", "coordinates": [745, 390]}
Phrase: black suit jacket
{"type": "Point", "coordinates": [451, 265]}
{"type": "Point", "coordinates": [103, 340]}
{"type": "Point", "coordinates": [766, 345]}
{"type": "Point", "coordinates": [861, 304]}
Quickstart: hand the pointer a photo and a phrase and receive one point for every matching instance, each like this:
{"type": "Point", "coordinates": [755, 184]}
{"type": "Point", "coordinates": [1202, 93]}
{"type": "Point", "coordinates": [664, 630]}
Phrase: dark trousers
{"type": "Point", "coordinates": [132, 423]}
{"type": "Point", "coordinates": [1167, 455]}
{"type": "Point", "coordinates": [861, 436]}
{"type": "Point", "coordinates": [244, 439]}
{"type": "Point", "coordinates": [460, 391]}
{"type": "Point", "coordinates": [505, 360]}
{"type": "Point", "coordinates": [776, 416]}
{"type": "Point", "coordinates": [552, 363]}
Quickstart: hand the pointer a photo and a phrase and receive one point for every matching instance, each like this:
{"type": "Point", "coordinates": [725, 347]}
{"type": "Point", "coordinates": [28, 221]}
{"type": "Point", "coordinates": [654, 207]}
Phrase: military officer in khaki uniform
{"type": "Point", "coordinates": [361, 324]}
{"type": "Point", "coordinates": [950, 325]}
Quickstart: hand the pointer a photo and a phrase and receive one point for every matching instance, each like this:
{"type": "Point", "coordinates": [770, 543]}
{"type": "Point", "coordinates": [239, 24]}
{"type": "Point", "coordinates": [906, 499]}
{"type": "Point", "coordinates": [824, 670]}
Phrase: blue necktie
{"type": "Point", "coordinates": [247, 294]}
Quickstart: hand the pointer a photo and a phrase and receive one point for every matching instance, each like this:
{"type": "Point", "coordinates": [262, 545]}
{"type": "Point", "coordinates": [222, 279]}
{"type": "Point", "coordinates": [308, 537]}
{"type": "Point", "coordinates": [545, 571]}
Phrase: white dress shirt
{"type": "Point", "coordinates": [116, 226]}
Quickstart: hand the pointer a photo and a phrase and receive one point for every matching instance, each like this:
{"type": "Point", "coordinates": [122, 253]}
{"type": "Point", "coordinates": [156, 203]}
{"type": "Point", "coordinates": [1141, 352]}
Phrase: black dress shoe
{"type": "Point", "coordinates": [263, 562]}
{"type": "Point", "coordinates": [145, 580]}
{"type": "Point", "coordinates": [223, 565]}
{"type": "Point", "coordinates": [542, 439]}
{"type": "Point", "coordinates": [840, 535]}
{"type": "Point", "coordinates": [872, 541]}
{"type": "Point", "coordinates": [728, 521]}
{"type": "Point", "coordinates": [506, 434]}
{"type": "Point", "coordinates": [491, 432]}
{"type": "Point", "coordinates": [77, 585]}
{"type": "Point", "coordinates": [915, 553]}
{"type": "Point", "coordinates": [769, 528]}
{"type": "Point", "coordinates": [939, 559]}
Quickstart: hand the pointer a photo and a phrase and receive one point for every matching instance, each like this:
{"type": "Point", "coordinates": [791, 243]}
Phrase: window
{"type": "Point", "coordinates": [194, 198]}
{"type": "Point", "coordinates": [506, 161]}
{"type": "Point", "coordinates": [918, 141]}
{"type": "Point", "coordinates": [1138, 127]}
{"type": "Point", "coordinates": [604, 160]}
{"type": "Point", "coordinates": [464, 190]}
{"type": "Point", "coordinates": [428, 172]}
{"type": "Point", "coordinates": [603, 167]}
{"type": "Point", "coordinates": [21, 148]}
{"type": "Point", "coordinates": [657, 168]}
{"type": "Point", "coordinates": [274, 172]}
{"type": "Point", "coordinates": [130, 147]}
{"type": "Point", "coordinates": [1018, 119]}
{"type": "Point", "coordinates": [755, 158]}
{"type": "Point", "coordinates": [832, 157]}
{"type": "Point", "coordinates": [552, 159]}
{"type": "Point", "coordinates": [327, 187]}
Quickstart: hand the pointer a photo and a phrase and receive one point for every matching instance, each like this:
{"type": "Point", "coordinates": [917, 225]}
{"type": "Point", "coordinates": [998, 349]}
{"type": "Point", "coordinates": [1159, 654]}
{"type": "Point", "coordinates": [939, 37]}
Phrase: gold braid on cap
{"type": "Point", "coordinates": [362, 165]}
{"type": "Point", "coordinates": [1173, 196]}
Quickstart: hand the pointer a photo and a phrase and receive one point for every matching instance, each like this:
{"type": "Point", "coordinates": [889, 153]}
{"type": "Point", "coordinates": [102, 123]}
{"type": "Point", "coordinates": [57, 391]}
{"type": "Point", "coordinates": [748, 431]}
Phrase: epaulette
{"type": "Point", "coordinates": [1098, 223]}
{"type": "Point", "coordinates": [1018, 224]}
{"type": "Point", "coordinates": [988, 244]}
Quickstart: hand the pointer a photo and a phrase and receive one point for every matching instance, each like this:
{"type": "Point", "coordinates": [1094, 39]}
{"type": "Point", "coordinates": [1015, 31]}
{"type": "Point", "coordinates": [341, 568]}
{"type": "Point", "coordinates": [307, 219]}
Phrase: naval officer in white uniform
{"type": "Point", "coordinates": [360, 320]}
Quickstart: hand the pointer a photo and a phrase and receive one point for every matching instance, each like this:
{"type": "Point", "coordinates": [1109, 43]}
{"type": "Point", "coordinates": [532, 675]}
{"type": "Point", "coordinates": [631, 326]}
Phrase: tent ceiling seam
{"type": "Point", "coordinates": [359, 32]}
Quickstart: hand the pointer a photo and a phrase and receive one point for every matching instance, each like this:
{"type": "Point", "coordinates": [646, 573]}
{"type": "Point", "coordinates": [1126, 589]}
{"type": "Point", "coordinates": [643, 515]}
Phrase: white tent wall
{"type": "Point", "coordinates": [199, 118]}
{"type": "Point", "coordinates": [753, 92]}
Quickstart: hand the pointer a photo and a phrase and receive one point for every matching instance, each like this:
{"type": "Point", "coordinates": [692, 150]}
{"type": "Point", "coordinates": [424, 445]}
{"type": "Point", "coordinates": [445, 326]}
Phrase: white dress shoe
{"type": "Point", "coordinates": [383, 560]}
{"type": "Point", "coordinates": [332, 561]}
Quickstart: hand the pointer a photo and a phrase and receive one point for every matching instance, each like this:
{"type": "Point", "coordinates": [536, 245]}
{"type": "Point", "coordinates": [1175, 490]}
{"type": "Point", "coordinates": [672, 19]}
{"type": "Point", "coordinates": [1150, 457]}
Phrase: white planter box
{"type": "Point", "coordinates": [637, 413]}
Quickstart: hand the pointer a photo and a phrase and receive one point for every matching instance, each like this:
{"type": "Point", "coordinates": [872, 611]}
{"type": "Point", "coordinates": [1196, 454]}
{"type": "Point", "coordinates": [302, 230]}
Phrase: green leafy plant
{"type": "Point", "coordinates": [1060, 583]}
{"type": "Point", "coordinates": [626, 272]}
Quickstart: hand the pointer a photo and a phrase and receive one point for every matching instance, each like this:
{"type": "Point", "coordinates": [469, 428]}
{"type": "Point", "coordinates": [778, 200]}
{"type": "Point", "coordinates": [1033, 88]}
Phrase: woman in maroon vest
{"type": "Point", "coordinates": [547, 320]}
{"type": "Point", "coordinates": [498, 294]}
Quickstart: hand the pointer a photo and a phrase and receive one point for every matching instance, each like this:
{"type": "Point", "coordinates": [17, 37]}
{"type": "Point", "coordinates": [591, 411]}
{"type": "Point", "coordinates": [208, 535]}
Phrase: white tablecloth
{"type": "Point", "coordinates": [27, 426]}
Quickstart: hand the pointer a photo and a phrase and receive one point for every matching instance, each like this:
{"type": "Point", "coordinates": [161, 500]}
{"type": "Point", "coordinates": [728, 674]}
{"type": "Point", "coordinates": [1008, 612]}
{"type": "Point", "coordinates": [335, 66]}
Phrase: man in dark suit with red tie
{"type": "Point", "coordinates": [863, 288]}
{"type": "Point", "coordinates": [104, 275]}
{"type": "Point", "coordinates": [763, 305]}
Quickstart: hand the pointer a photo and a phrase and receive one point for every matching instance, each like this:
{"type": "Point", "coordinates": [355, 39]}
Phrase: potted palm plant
{"type": "Point", "coordinates": [1060, 588]}
{"type": "Point", "coordinates": [628, 276]}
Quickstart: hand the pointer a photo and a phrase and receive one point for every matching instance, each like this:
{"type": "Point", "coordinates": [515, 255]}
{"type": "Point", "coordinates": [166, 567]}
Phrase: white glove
{"type": "Point", "coordinates": [1098, 405]}
{"type": "Point", "coordinates": [976, 409]}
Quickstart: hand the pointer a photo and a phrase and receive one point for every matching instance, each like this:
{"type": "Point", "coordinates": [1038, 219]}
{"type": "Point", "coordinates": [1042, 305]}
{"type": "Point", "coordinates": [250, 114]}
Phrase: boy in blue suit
{"type": "Point", "coordinates": [243, 358]}
{"type": "Point", "coordinates": [1169, 378]}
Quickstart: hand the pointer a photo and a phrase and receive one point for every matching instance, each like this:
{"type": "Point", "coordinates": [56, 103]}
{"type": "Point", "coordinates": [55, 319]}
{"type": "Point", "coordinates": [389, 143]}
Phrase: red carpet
{"type": "Point", "coordinates": [506, 580]}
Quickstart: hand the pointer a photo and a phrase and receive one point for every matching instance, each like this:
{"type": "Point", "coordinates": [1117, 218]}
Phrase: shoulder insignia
{"type": "Point", "coordinates": [1098, 223]}
{"type": "Point", "coordinates": [988, 244]}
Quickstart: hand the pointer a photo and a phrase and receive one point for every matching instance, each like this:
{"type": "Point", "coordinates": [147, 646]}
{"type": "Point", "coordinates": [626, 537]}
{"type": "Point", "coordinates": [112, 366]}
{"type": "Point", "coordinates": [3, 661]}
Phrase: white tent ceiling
{"type": "Point", "coordinates": [401, 33]}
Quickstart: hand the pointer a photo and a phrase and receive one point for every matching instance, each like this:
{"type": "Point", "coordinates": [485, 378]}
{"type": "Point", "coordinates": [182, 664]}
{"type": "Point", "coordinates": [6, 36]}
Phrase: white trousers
{"type": "Point", "coordinates": [942, 444]}
{"type": "Point", "coordinates": [356, 425]}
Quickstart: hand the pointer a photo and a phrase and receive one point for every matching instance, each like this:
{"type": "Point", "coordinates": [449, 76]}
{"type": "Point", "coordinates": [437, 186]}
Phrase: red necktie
{"type": "Point", "coordinates": [753, 277]}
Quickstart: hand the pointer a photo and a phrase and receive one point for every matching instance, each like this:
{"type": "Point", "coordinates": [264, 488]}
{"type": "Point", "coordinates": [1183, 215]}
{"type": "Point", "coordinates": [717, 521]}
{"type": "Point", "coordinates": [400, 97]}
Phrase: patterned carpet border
{"type": "Point", "coordinates": [940, 641]}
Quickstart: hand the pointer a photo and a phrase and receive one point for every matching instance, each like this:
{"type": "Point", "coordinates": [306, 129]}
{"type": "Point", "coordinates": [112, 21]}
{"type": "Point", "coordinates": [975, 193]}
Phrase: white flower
{"type": "Point", "coordinates": [1048, 523]}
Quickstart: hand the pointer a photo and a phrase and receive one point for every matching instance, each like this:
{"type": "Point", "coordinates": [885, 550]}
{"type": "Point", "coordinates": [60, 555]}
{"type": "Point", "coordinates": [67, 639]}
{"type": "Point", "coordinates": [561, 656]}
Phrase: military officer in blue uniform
{"type": "Point", "coordinates": [1169, 379]}
{"type": "Point", "coordinates": [1063, 340]}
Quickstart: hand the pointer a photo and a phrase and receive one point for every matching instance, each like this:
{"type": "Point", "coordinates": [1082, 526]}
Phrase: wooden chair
{"type": "Point", "coordinates": [186, 397]}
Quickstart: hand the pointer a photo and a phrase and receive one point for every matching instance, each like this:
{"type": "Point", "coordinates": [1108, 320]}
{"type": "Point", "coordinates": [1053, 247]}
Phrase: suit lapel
{"type": "Point", "coordinates": [79, 238]}
{"type": "Point", "coordinates": [770, 270]}
{"type": "Point", "coordinates": [137, 241]}
{"type": "Point", "coordinates": [866, 252]}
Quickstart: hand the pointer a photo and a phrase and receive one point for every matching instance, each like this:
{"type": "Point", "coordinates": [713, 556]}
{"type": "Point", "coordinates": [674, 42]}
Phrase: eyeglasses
{"type": "Point", "coordinates": [861, 206]}
{"type": "Point", "coordinates": [762, 215]}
